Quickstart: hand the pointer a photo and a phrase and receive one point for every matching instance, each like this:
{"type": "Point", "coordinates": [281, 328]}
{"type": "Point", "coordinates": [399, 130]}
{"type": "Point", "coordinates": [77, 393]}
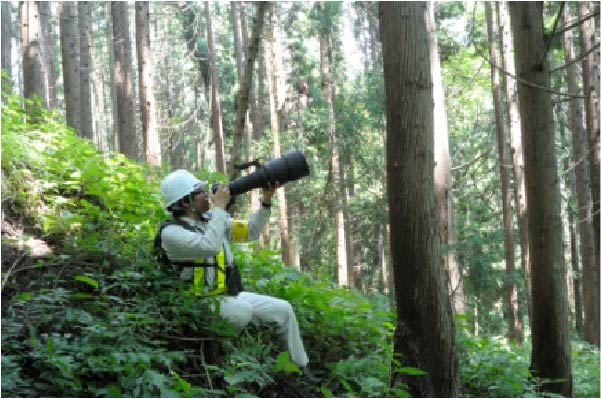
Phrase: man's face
{"type": "Point", "coordinates": [200, 201]}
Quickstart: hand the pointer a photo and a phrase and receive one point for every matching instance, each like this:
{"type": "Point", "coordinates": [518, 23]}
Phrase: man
{"type": "Point", "coordinates": [196, 244]}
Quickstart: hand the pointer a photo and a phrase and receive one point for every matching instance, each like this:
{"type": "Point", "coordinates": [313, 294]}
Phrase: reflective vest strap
{"type": "Point", "coordinates": [240, 230]}
{"type": "Point", "coordinates": [199, 276]}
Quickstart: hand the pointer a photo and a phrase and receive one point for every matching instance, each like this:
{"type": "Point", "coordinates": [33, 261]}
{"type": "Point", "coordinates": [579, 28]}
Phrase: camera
{"type": "Point", "coordinates": [289, 167]}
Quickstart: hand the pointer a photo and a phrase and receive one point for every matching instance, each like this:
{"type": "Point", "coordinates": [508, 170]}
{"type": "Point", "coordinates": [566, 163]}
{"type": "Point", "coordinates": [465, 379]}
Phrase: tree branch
{"type": "Point", "coordinates": [548, 42]}
{"type": "Point", "coordinates": [574, 24]}
{"type": "Point", "coordinates": [504, 72]}
{"type": "Point", "coordinates": [580, 58]}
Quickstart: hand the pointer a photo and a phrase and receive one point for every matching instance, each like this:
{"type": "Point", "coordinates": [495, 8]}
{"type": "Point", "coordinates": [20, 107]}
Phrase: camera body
{"type": "Point", "coordinates": [289, 167]}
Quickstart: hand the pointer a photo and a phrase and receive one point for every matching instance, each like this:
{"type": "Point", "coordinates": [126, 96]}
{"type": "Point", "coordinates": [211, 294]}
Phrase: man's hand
{"type": "Point", "coordinates": [268, 192]}
{"type": "Point", "coordinates": [221, 197]}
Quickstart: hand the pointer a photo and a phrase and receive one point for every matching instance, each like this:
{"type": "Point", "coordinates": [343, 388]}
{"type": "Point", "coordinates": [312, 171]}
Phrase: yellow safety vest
{"type": "Point", "coordinates": [199, 282]}
{"type": "Point", "coordinates": [199, 286]}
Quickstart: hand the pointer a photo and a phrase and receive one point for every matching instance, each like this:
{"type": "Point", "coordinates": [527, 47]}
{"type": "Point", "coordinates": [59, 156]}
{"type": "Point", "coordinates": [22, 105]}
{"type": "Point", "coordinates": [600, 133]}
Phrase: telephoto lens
{"type": "Point", "coordinates": [291, 166]}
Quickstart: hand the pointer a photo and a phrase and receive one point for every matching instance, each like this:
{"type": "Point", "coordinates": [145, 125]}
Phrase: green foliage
{"type": "Point", "coordinates": [100, 327]}
{"type": "Point", "coordinates": [494, 367]}
{"type": "Point", "coordinates": [586, 370]}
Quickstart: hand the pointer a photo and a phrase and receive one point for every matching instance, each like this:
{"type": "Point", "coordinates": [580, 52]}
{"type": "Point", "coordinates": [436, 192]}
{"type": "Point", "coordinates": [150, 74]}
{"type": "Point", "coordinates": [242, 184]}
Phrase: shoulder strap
{"type": "Point", "coordinates": [159, 252]}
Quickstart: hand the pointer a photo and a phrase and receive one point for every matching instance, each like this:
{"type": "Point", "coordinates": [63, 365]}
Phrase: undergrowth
{"type": "Point", "coordinates": [99, 318]}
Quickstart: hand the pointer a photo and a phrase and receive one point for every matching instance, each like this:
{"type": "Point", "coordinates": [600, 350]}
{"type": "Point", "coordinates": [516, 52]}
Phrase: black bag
{"type": "Point", "coordinates": [233, 280]}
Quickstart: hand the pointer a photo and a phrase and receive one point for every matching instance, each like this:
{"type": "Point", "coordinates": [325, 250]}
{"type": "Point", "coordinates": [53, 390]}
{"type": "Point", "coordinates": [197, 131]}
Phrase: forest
{"type": "Point", "coordinates": [444, 244]}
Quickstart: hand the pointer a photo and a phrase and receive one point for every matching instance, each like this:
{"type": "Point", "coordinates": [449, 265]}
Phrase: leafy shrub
{"type": "Point", "coordinates": [585, 370]}
{"type": "Point", "coordinates": [100, 326]}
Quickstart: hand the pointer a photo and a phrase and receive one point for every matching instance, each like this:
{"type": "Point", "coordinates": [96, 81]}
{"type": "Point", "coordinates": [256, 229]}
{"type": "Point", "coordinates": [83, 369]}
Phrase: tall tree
{"type": "Point", "coordinates": [216, 120]}
{"type": "Point", "coordinates": [273, 70]}
{"type": "Point", "coordinates": [113, 85]}
{"type": "Point", "coordinates": [550, 339]}
{"type": "Point", "coordinates": [443, 179]}
{"type": "Point", "coordinates": [590, 77]}
{"type": "Point", "coordinates": [325, 50]}
{"type": "Point", "coordinates": [48, 51]}
{"type": "Point", "coordinates": [514, 329]}
{"type": "Point", "coordinates": [35, 74]}
{"type": "Point", "coordinates": [124, 87]}
{"type": "Point", "coordinates": [85, 67]}
{"type": "Point", "coordinates": [245, 76]}
{"type": "Point", "coordinates": [69, 48]}
{"type": "Point", "coordinates": [515, 137]}
{"type": "Point", "coordinates": [590, 269]}
{"type": "Point", "coordinates": [148, 111]}
{"type": "Point", "coordinates": [574, 258]}
{"type": "Point", "coordinates": [6, 37]}
{"type": "Point", "coordinates": [425, 333]}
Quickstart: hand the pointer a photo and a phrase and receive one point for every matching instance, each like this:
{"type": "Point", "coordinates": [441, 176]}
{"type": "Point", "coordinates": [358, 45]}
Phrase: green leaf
{"type": "Point", "coordinates": [113, 391]}
{"type": "Point", "coordinates": [326, 392]}
{"type": "Point", "coordinates": [87, 280]}
{"type": "Point", "coordinates": [411, 371]}
{"type": "Point", "coordinates": [283, 363]}
{"type": "Point", "coordinates": [50, 346]}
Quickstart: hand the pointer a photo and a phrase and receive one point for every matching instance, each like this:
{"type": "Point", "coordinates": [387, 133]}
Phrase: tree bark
{"type": "Point", "coordinates": [113, 85]}
{"type": "Point", "coordinates": [443, 179]}
{"type": "Point", "coordinates": [272, 74]}
{"type": "Point", "coordinates": [246, 75]}
{"type": "Point", "coordinates": [425, 333]}
{"type": "Point", "coordinates": [124, 88]}
{"type": "Point", "coordinates": [514, 328]}
{"type": "Point", "coordinates": [515, 137]}
{"type": "Point", "coordinates": [216, 121]}
{"type": "Point", "coordinates": [590, 269]}
{"type": "Point", "coordinates": [550, 339]}
{"type": "Point", "coordinates": [85, 66]}
{"type": "Point", "coordinates": [48, 51]}
{"type": "Point", "coordinates": [7, 38]}
{"type": "Point", "coordinates": [35, 75]}
{"type": "Point", "coordinates": [590, 77]}
{"type": "Point", "coordinates": [576, 281]}
{"type": "Point", "coordinates": [148, 105]}
{"type": "Point", "coordinates": [69, 47]}
{"type": "Point", "coordinates": [344, 275]}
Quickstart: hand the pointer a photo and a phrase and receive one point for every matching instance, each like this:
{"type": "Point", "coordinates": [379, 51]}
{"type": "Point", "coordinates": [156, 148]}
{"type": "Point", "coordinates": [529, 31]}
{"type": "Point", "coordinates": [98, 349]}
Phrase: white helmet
{"type": "Point", "coordinates": [178, 184]}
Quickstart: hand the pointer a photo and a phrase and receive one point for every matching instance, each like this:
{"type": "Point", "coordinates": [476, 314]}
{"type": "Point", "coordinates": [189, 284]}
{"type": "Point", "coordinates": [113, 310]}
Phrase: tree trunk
{"type": "Point", "coordinates": [113, 85]}
{"type": "Point", "coordinates": [590, 77]}
{"type": "Point", "coordinates": [344, 275]}
{"type": "Point", "coordinates": [7, 36]}
{"type": "Point", "coordinates": [69, 47]}
{"type": "Point", "coordinates": [148, 111]}
{"type": "Point", "coordinates": [216, 121]}
{"type": "Point", "coordinates": [514, 328]}
{"type": "Point", "coordinates": [238, 136]}
{"type": "Point", "coordinates": [245, 77]}
{"type": "Point", "coordinates": [515, 136]}
{"type": "Point", "coordinates": [590, 269]}
{"type": "Point", "coordinates": [35, 79]}
{"type": "Point", "coordinates": [272, 72]}
{"type": "Point", "coordinates": [124, 88]}
{"type": "Point", "coordinates": [48, 50]}
{"type": "Point", "coordinates": [425, 333]}
{"type": "Point", "coordinates": [576, 282]}
{"type": "Point", "coordinates": [550, 338]}
{"type": "Point", "coordinates": [85, 66]}
{"type": "Point", "coordinates": [443, 180]}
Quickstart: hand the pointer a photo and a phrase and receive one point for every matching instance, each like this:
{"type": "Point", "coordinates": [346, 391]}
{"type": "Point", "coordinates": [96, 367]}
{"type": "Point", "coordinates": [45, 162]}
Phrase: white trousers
{"type": "Point", "coordinates": [248, 307]}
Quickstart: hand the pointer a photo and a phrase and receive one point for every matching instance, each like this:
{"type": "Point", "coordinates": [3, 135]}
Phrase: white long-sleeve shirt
{"type": "Point", "coordinates": [185, 245]}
